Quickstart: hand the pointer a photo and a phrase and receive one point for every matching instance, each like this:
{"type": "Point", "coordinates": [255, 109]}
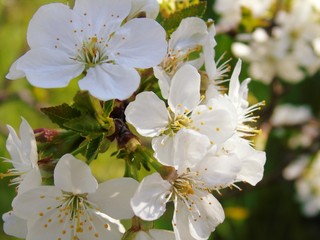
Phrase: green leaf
{"type": "Point", "coordinates": [61, 114]}
{"type": "Point", "coordinates": [108, 107]}
{"type": "Point", "coordinates": [96, 146]}
{"type": "Point", "coordinates": [85, 125]}
{"type": "Point", "coordinates": [82, 102]}
{"type": "Point", "coordinates": [172, 22]}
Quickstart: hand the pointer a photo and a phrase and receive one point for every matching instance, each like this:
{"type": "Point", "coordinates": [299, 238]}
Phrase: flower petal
{"type": "Point", "coordinates": [50, 225]}
{"type": "Point", "coordinates": [14, 73]}
{"type": "Point", "coordinates": [252, 161]}
{"type": "Point", "coordinates": [180, 221]}
{"type": "Point", "coordinates": [140, 43]}
{"type": "Point", "coordinates": [211, 213]}
{"type": "Point", "coordinates": [36, 201]}
{"type": "Point", "coordinates": [163, 79]}
{"type": "Point", "coordinates": [113, 197]}
{"type": "Point", "coordinates": [109, 81]}
{"type": "Point", "coordinates": [103, 16]}
{"type": "Point", "coordinates": [49, 68]}
{"type": "Point", "coordinates": [190, 147]}
{"type": "Point", "coordinates": [52, 27]}
{"type": "Point", "coordinates": [185, 90]}
{"type": "Point", "coordinates": [219, 170]}
{"type": "Point", "coordinates": [103, 227]}
{"type": "Point", "coordinates": [150, 8]}
{"type": "Point", "coordinates": [191, 32]}
{"type": "Point", "coordinates": [163, 148]}
{"type": "Point", "coordinates": [14, 225]}
{"type": "Point", "coordinates": [148, 114]}
{"type": "Point", "coordinates": [22, 151]}
{"type": "Point", "coordinates": [28, 142]}
{"type": "Point", "coordinates": [149, 201]}
{"type": "Point", "coordinates": [30, 180]}
{"type": "Point", "coordinates": [217, 120]}
{"type": "Point", "coordinates": [73, 175]}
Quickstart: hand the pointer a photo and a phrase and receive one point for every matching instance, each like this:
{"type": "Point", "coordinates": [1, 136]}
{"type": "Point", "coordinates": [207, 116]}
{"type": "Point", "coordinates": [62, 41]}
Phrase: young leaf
{"type": "Point", "coordinates": [61, 114]}
{"type": "Point", "coordinates": [172, 22]}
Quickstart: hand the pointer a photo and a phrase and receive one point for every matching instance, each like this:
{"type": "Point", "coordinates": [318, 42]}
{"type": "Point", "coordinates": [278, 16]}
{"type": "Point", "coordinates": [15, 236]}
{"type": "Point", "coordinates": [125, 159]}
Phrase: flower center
{"type": "Point", "coordinates": [177, 122]}
{"type": "Point", "coordinates": [174, 59]}
{"type": "Point", "coordinates": [93, 52]}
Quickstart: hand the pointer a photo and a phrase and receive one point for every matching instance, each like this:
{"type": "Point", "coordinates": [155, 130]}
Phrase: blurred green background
{"type": "Point", "coordinates": [268, 211]}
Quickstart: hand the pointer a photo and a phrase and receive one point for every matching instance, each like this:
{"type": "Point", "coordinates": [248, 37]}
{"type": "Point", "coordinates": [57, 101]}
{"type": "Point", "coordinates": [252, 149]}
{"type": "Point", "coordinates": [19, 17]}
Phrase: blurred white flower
{"type": "Point", "coordinates": [288, 114]}
{"type": "Point", "coordinates": [231, 11]}
{"type": "Point", "coordinates": [307, 172]}
{"type": "Point", "coordinates": [75, 207]}
{"type": "Point", "coordinates": [24, 158]}
{"type": "Point", "coordinates": [91, 39]}
{"type": "Point", "coordinates": [198, 172]}
{"type": "Point", "coordinates": [288, 48]}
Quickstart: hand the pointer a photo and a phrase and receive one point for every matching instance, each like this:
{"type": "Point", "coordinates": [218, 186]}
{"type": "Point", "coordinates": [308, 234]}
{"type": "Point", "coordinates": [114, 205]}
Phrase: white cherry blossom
{"type": "Point", "coordinates": [24, 158]}
{"type": "Point", "coordinates": [92, 38]}
{"type": "Point", "coordinates": [75, 207]}
{"type": "Point", "coordinates": [150, 116]}
{"type": "Point", "coordinates": [198, 171]}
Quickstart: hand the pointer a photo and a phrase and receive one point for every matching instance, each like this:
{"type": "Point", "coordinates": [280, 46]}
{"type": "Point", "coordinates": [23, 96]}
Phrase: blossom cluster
{"type": "Point", "coordinates": [284, 38]}
{"type": "Point", "coordinates": [305, 172]}
{"type": "Point", "coordinates": [140, 84]}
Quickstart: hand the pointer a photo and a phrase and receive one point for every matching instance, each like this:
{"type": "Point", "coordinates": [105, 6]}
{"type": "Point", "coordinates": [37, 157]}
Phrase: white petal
{"type": "Point", "coordinates": [252, 167]}
{"type": "Point", "coordinates": [234, 85]}
{"type": "Point", "coordinates": [217, 120]}
{"type": "Point", "coordinates": [109, 81]}
{"type": "Point", "coordinates": [30, 204]}
{"type": "Point", "coordinates": [28, 141]}
{"type": "Point", "coordinates": [190, 147]}
{"type": "Point", "coordinates": [164, 81]}
{"type": "Point", "coordinates": [22, 151]}
{"type": "Point", "coordinates": [49, 68]}
{"type": "Point", "coordinates": [149, 201]}
{"type": "Point", "coordinates": [73, 175]}
{"type": "Point", "coordinates": [104, 227]}
{"type": "Point", "coordinates": [113, 197]}
{"type": "Point", "coordinates": [180, 221]}
{"type": "Point", "coordinates": [14, 225]}
{"type": "Point", "coordinates": [148, 114]}
{"type": "Point", "coordinates": [219, 170]}
{"type": "Point", "coordinates": [30, 180]}
{"type": "Point", "coordinates": [209, 53]}
{"type": "Point", "coordinates": [103, 16]}
{"type": "Point", "coordinates": [52, 26]}
{"type": "Point", "coordinates": [140, 43]}
{"type": "Point", "coordinates": [14, 73]}
{"type": "Point", "coordinates": [48, 226]}
{"type": "Point", "coordinates": [211, 213]}
{"type": "Point", "coordinates": [164, 149]}
{"type": "Point", "coordinates": [149, 7]}
{"type": "Point", "coordinates": [252, 161]}
{"type": "Point", "coordinates": [191, 32]}
{"type": "Point", "coordinates": [184, 90]}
